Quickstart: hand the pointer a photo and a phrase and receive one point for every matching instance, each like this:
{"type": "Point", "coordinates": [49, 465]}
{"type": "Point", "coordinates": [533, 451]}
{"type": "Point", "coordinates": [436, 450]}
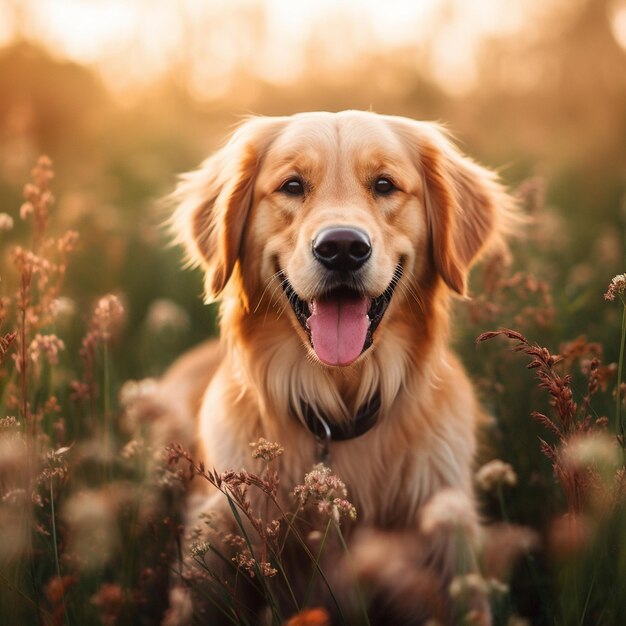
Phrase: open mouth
{"type": "Point", "coordinates": [341, 322]}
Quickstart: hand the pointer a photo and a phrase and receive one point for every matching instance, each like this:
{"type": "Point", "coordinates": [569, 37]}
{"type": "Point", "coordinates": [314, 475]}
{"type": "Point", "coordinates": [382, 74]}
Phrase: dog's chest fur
{"type": "Point", "coordinates": [423, 440]}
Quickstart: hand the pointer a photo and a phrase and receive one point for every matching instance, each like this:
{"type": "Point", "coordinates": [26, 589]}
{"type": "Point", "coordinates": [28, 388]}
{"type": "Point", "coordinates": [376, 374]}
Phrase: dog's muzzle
{"type": "Point", "coordinates": [341, 321]}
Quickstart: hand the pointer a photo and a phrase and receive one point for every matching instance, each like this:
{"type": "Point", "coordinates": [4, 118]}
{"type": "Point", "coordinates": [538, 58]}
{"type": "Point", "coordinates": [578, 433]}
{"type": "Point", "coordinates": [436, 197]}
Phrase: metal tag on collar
{"type": "Point", "coordinates": [323, 440]}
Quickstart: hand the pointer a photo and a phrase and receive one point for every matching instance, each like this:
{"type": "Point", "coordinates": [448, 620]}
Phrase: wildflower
{"type": "Point", "coordinates": [235, 541]}
{"type": "Point", "coordinates": [245, 561]}
{"type": "Point", "coordinates": [5, 342]}
{"type": "Point", "coordinates": [79, 391]}
{"type": "Point", "coordinates": [57, 587]}
{"type": "Point", "coordinates": [27, 261]}
{"type": "Point", "coordinates": [6, 222]}
{"type": "Point", "coordinates": [199, 549]}
{"type": "Point", "coordinates": [68, 242]}
{"type": "Point", "coordinates": [617, 286]}
{"type": "Point", "coordinates": [13, 496]}
{"type": "Point", "coordinates": [497, 587]}
{"type": "Point", "coordinates": [325, 488]}
{"type": "Point", "coordinates": [266, 450]}
{"type": "Point", "coordinates": [314, 537]}
{"type": "Point", "coordinates": [93, 533]}
{"type": "Point", "coordinates": [132, 449]}
{"type": "Point", "coordinates": [46, 346]}
{"type": "Point", "coordinates": [267, 570]}
{"type": "Point", "coordinates": [273, 528]}
{"type": "Point", "coordinates": [164, 314]}
{"type": "Point", "coordinates": [494, 474]}
{"type": "Point", "coordinates": [108, 316]}
{"type": "Point", "coordinates": [42, 172]}
{"type": "Point", "coordinates": [110, 601]}
{"type": "Point", "coordinates": [8, 422]}
{"type": "Point", "coordinates": [469, 583]}
{"type": "Point", "coordinates": [26, 209]}
{"type": "Point", "coordinates": [310, 617]}
{"type": "Point", "coordinates": [449, 509]}
{"type": "Point", "coordinates": [134, 390]}
{"type": "Point", "coordinates": [597, 450]}
{"type": "Point", "coordinates": [63, 307]}
{"type": "Point", "coordinates": [31, 192]}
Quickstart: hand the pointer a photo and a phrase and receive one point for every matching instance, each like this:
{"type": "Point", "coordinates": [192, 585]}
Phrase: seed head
{"type": "Point", "coordinates": [327, 492]}
{"type": "Point", "coordinates": [200, 548]}
{"type": "Point", "coordinates": [6, 222]}
{"type": "Point", "coordinates": [597, 451]}
{"type": "Point", "coordinates": [467, 584]}
{"type": "Point", "coordinates": [165, 314]}
{"type": "Point", "coordinates": [266, 450]}
{"type": "Point", "coordinates": [617, 286]}
{"type": "Point", "coordinates": [26, 209]}
{"type": "Point", "coordinates": [108, 315]}
{"type": "Point", "coordinates": [133, 391]}
{"type": "Point", "coordinates": [8, 423]}
{"type": "Point", "coordinates": [495, 473]}
{"type": "Point", "coordinates": [46, 347]}
{"type": "Point", "coordinates": [448, 510]}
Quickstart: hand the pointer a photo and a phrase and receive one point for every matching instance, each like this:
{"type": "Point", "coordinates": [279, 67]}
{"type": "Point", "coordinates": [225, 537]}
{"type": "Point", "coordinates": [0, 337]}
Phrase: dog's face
{"type": "Point", "coordinates": [337, 218]}
{"type": "Point", "coordinates": [342, 210]}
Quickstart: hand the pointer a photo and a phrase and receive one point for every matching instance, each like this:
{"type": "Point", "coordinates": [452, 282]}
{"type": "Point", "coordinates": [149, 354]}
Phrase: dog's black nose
{"type": "Point", "coordinates": [342, 248]}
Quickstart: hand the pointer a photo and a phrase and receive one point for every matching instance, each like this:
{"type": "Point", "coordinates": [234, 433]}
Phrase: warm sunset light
{"type": "Point", "coordinates": [312, 312]}
{"type": "Point", "coordinates": [134, 42]}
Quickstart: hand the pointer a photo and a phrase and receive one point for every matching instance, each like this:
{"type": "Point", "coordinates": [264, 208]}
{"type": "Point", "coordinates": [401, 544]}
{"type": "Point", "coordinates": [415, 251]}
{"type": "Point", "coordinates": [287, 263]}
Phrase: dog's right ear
{"type": "Point", "coordinates": [213, 202]}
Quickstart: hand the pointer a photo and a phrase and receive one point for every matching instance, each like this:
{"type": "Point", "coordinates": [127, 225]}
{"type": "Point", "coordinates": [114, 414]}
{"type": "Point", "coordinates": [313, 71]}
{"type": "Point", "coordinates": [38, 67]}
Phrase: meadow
{"type": "Point", "coordinates": [95, 304]}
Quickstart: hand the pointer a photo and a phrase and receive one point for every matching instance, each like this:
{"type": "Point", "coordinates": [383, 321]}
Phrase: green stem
{"type": "Point", "coordinates": [503, 512]}
{"type": "Point", "coordinates": [619, 425]}
{"type": "Point", "coordinates": [106, 408]}
{"type": "Point", "coordinates": [316, 564]}
{"type": "Point", "coordinates": [56, 550]}
{"type": "Point", "coordinates": [359, 591]}
{"type": "Point", "coordinates": [12, 587]}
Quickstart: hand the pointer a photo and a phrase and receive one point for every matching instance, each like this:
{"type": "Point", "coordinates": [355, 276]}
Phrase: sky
{"type": "Point", "coordinates": [133, 42]}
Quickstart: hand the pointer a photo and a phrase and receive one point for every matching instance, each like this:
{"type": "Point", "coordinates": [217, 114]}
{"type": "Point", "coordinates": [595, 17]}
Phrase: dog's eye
{"type": "Point", "coordinates": [383, 186]}
{"type": "Point", "coordinates": [293, 187]}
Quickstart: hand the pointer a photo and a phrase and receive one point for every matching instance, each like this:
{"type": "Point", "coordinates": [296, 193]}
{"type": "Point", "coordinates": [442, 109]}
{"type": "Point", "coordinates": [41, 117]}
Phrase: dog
{"type": "Point", "coordinates": [334, 242]}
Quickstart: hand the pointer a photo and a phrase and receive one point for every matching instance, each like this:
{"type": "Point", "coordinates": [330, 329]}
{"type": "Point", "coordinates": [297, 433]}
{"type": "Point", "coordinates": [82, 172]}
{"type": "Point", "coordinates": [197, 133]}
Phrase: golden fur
{"type": "Point", "coordinates": [239, 227]}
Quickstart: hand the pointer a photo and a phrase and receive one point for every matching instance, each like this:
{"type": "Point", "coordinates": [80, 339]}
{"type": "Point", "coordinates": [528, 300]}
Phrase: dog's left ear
{"type": "Point", "coordinates": [213, 202]}
{"type": "Point", "coordinates": [468, 210]}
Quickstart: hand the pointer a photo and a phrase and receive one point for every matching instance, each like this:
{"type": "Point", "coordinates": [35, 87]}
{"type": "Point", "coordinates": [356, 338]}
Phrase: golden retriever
{"type": "Point", "coordinates": [333, 242]}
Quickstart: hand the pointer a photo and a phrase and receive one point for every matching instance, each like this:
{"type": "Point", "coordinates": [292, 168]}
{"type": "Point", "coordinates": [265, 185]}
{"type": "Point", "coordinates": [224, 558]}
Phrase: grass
{"type": "Point", "coordinates": [90, 513]}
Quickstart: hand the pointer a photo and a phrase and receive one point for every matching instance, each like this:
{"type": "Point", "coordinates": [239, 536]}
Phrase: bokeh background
{"type": "Point", "coordinates": [125, 94]}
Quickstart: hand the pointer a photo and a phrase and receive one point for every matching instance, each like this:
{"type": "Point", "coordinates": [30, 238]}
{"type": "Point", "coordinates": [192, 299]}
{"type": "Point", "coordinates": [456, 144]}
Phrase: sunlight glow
{"type": "Point", "coordinates": [618, 25]}
{"type": "Point", "coordinates": [133, 42]}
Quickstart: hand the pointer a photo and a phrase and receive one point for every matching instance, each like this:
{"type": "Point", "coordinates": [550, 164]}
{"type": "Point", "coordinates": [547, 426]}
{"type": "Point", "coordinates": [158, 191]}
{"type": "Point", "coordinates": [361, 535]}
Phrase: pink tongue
{"type": "Point", "coordinates": [338, 329]}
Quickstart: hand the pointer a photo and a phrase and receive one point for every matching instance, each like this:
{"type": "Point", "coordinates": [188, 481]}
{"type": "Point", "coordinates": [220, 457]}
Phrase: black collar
{"type": "Point", "coordinates": [325, 431]}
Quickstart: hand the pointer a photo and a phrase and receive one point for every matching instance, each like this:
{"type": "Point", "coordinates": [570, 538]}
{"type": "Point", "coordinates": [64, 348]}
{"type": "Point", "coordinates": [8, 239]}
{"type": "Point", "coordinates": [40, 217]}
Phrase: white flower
{"type": "Point", "coordinates": [6, 222]}
{"type": "Point", "coordinates": [46, 346]}
{"type": "Point", "coordinates": [495, 473]}
{"type": "Point", "coordinates": [449, 509]}
{"type": "Point", "coordinates": [165, 314]}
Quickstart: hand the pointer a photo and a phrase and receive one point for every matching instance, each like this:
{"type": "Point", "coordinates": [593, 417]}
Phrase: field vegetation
{"type": "Point", "coordinates": [94, 305]}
